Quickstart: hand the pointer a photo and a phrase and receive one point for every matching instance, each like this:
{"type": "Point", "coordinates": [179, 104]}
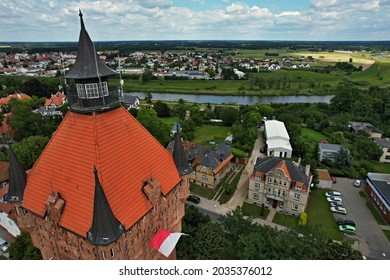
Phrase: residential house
{"type": "Point", "coordinates": [359, 127]}
{"type": "Point", "coordinates": [385, 146]}
{"type": "Point", "coordinates": [209, 165]}
{"type": "Point", "coordinates": [131, 101]}
{"type": "Point", "coordinates": [52, 105]}
{"type": "Point", "coordinates": [280, 184]}
{"type": "Point", "coordinates": [329, 151]}
{"type": "Point", "coordinates": [19, 96]}
{"type": "Point", "coordinates": [324, 179]}
{"type": "Point", "coordinates": [377, 188]}
{"type": "Point", "coordinates": [277, 139]}
{"type": "Point", "coordinates": [189, 74]}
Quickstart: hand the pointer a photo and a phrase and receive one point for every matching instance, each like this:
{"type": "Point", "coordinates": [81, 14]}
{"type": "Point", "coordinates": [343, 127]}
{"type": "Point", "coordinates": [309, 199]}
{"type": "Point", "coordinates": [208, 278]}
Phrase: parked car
{"type": "Point", "coordinates": [334, 198]}
{"type": "Point", "coordinates": [338, 209]}
{"type": "Point", "coordinates": [357, 183]}
{"type": "Point", "coordinates": [334, 180]}
{"type": "Point", "coordinates": [336, 203]}
{"type": "Point", "coordinates": [194, 199]}
{"type": "Point", "coordinates": [347, 229]}
{"type": "Point", "coordinates": [4, 246]}
{"type": "Point", "coordinates": [341, 222]}
{"type": "Point", "coordinates": [332, 193]}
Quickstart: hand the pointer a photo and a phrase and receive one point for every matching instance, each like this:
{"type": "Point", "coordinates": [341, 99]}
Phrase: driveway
{"type": "Point", "coordinates": [372, 242]}
{"type": "Point", "coordinates": [241, 193]}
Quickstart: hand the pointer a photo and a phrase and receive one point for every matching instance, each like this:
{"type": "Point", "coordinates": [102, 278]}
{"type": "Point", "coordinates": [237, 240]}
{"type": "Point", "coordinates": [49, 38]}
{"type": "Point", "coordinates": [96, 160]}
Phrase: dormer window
{"type": "Point", "coordinates": [91, 90]}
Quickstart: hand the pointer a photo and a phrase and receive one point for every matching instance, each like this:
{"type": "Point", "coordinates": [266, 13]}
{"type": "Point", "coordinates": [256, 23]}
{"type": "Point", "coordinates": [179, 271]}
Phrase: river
{"type": "Point", "coordinates": [239, 100]}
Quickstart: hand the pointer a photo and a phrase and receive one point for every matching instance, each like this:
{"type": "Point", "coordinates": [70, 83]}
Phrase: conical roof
{"type": "Point", "coordinates": [105, 227]}
{"type": "Point", "coordinates": [17, 178]}
{"type": "Point", "coordinates": [88, 64]}
{"type": "Point", "coordinates": [179, 156]}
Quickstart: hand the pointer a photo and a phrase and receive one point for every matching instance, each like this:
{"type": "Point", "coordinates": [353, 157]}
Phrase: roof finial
{"type": "Point", "coordinates": [52, 190]}
{"type": "Point", "coordinates": [81, 19]}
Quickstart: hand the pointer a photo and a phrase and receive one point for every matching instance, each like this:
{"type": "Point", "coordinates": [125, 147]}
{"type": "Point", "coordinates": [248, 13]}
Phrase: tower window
{"type": "Point", "coordinates": [87, 91]}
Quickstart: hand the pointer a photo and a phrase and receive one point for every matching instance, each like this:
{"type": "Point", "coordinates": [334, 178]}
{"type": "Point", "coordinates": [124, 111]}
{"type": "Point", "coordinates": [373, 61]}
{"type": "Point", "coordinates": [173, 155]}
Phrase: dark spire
{"type": "Point", "coordinates": [105, 227]}
{"type": "Point", "coordinates": [179, 155]}
{"type": "Point", "coordinates": [88, 64]}
{"type": "Point", "coordinates": [81, 20]}
{"type": "Point", "coordinates": [17, 178]}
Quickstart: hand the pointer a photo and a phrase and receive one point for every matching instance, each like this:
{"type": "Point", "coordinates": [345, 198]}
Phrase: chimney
{"type": "Point", "coordinates": [307, 170]}
{"type": "Point", "coordinates": [299, 162]}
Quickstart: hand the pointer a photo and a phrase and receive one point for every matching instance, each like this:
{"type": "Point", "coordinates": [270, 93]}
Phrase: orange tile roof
{"type": "Point", "coordinates": [57, 99]}
{"type": "Point", "coordinates": [323, 174]}
{"type": "Point", "coordinates": [229, 158]}
{"type": "Point", "coordinates": [125, 155]}
{"type": "Point", "coordinates": [20, 96]}
{"type": "Point", "coordinates": [282, 165]}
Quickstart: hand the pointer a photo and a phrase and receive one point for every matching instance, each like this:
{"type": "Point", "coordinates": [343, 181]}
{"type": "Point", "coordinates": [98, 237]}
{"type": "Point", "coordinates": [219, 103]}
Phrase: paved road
{"type": "Point", "coordinates": [372, 242]}
{"type": "Point", "coordinates": [241, 193]}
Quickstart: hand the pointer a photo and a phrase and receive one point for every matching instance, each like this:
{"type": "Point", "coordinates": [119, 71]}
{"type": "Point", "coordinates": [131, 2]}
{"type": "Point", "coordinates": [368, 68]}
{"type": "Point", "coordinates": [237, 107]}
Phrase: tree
{"type": "Point", "coordinates": [228, 115]}
{"type": "Point", "coordinates": [162, 109]}
{"type": "Point", "coordinates": [23, 249]}
{"type": "Point", "coordinates": [148, 98]}
{"type": "Point", "coordinates": [367, 149]}
{"type": "Point", "coordinates": [29, 149]}
{"type": "Point", "coordinates": [148, 118]}
{"type": "Point", "coordinates": [343, 159]}
{"type": "Point", "coordinates": [25, 123]}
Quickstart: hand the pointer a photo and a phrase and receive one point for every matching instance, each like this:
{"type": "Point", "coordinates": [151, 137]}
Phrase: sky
{"type": "Point", "coordinates": [300, 20]}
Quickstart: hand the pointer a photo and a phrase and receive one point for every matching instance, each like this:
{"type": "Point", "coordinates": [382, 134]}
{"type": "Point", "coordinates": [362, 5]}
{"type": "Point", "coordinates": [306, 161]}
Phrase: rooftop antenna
{"type": "Point", "coordinates": [121, 82]}
{"type": "Point", "coordinates": [150, 173]}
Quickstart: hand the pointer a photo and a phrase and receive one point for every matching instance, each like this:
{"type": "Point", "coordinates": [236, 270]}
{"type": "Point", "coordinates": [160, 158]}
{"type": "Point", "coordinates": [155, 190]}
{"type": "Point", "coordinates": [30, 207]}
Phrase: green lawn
{"type": "Point", "coordinates": [254, 210]}
{"type": "Point", "coordinates": [170, 121]}
{"type": "Point", "coordinates": [226, 197]}
{"type": "Point", "coordinates": [202, 191]}
{"type": "Point", "coordinates": [286, 220]}
{"type": "Point", "coordinates": [319, 215]}
{"type": "Point", "coordinates": [312, 135]}
{"type": "Point", "coordinates": [375, 166]}
{"type": "Point", "coordinates": [207, 133]}
{"type": "Point", "coordinates": [387, 233]}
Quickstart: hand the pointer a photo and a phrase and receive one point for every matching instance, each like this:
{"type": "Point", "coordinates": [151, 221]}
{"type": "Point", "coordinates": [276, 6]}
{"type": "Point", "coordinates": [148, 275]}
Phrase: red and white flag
{"type": "Point", "coordinates": [165, 241]}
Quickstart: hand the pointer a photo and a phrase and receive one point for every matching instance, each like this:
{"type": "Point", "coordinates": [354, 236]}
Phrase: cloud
{"type": "Point", "coordinates": [323, 3]}
{"type": "Point", "coordinates": [288, 14]}
{"type": "Point", "coordinates": [154, 3]}
{"type": "Point", "coordinates": [163, 20]}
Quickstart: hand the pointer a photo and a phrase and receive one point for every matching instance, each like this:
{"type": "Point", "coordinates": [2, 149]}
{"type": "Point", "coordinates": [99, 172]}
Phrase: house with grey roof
{"type": "Point", "coordinates": [131, 101]}
{"type": "Point", "coordinates": [360, 127]}
{"type": "Point", "coordinates": [377, 188]}
{"type": "Point", "coordinates": [384, 144]}
{"type": "Point", "coordinates": [209, 164]}
{"type": "Point", "coordinates": [329, 151]}
{"type": "Point", "coordinates": [280, 184]}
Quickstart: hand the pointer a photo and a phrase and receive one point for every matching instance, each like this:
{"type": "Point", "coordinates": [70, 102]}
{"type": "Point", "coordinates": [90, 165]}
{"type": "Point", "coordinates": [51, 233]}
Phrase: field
{"type": "Point", "coordinates": [207, 133]}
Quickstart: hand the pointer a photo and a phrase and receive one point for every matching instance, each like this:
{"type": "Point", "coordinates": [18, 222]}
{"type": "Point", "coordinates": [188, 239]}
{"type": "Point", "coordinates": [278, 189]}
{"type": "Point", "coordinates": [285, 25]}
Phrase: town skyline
{"type": "Point", "coordinates": [127, 20]}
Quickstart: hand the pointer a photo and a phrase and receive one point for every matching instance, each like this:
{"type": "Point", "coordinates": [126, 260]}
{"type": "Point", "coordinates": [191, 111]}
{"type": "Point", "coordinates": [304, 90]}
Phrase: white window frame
{"type": "Point", "coordinates": [295, 207]}
{"type": "Point", "coordinates": [257, 186]}
{"type": "Point", "coordinates": [205, 178]}
{"type": "Point", "coordinates": [297, 196]}
{"type": "Point", "coordinates": [92, 90]}
{"type": "Point", "coordinates": [256, 196]}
